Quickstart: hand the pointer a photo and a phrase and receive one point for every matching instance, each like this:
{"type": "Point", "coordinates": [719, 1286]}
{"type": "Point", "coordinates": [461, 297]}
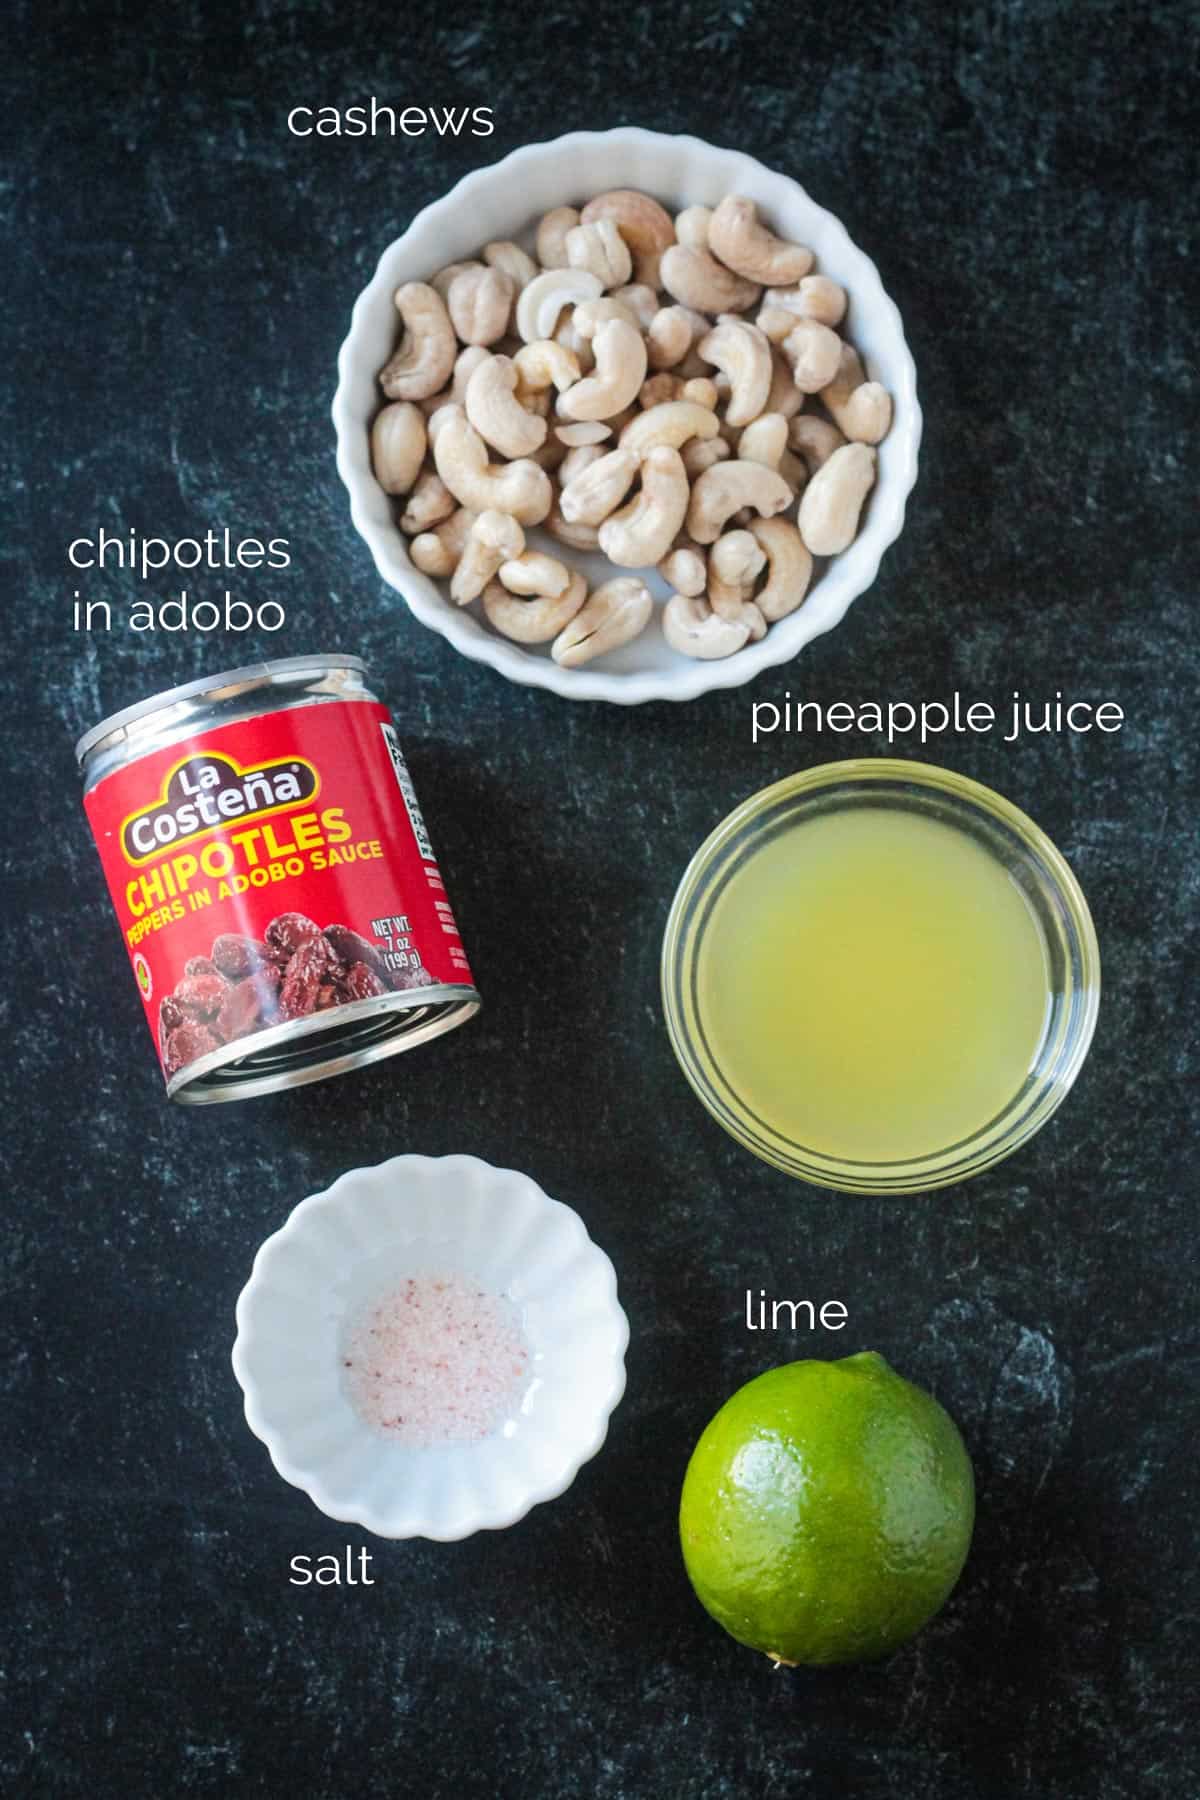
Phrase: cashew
{"type": "Point", "coordinates": [590, 315]}
{"type": "Point", "coordinates": [542, 302]}
{"type": "Point", "coordinates": [814, 352]}
{"type": "Point", "coordinates": [538, 620]}
{"type": "Point", "coordinates": [789, 567]}
{"type": "Point", "coordinates": [441, 281]}
{"type": "Point", "coordinates": [572, 532]}
{"type": "Point", "coordinates": [699, 281]}
{"type": "Point", "coordinates": [742, 242]}
{"type": "Point", "coordinates": [764, 440]}
{"type": "Point", "coordinates": [428, 553]}
{"type": "Point", "coordinates": [534, 572]}
{"type": "Point", "coordinates": [534, 400]}
{"type": "Point", "coordinates": [577, 460]}
{"type": "Point", "coordinates": [743, 354]}
{"type": "Point", "coordinates": [672, 423]}
{"type": "Point", "coordinates": [602, 251]}
{"type": "Point", "coordinates": [480, 303]}
{"type": "Point", "coordinates": [642, 301]}
{"type": "Point", "coordinates": [516, 263]}
{"type": "Point", "coordinates": [614, 615]}
{"type": "Point", "coordinates": [590, 497]}
{"type": "Point", "coordinates": [685, 569]}
{"type": "Point", "coordinates": [496, 413]}
{"type": "Point", "coordinates": [493, 539]}
{"type": "Point", "coordinates": [423, 362]}
{"type": "Point", "coordinates": [734, 564]}
{"type": "Point", "coordinates": [775, 321]}
{"type": "Point", "coordinates": [817, 297]}
{"type": "Point", "coordinates": [692, 628]}
{"type": "Point", "coordinates": [785, 397]}
{"type": "Point", "coordinates": [437, 552]}
{"type": "Point", "coordinates": [702, 453]}
{"type": "Point", "coordinates": [691, 227]}
{"type": "Point", "coordinates": [701, 392]}
{"type": "Point", "coordinates": [644, 530]}
{"type": "Point", "coordinates": [586, 432]}
{"type": "Point", "coordinates": [620, 370]}
{"type": "Point", "coordinates": [749, 614]}
{"type": "Point", "coordinates": [814, 439]}
{"type": "Point", "coordinates": [573, 341]}
{"type": "Point", "coordinates": [398, 440]}
{"type": "Point", "coordinates": [645, 226]}
{"type": "Point", "coordinates": [671, 333]}
{"type": "Point", "coordinates": [428, 504]}
{"type": "Point", "coordinates": [544, 364]}
{"type": "Point", "coordinates": [465, 365]}
{"type": "Point", "coordinates": [518, 488]}
{"type": "Point", "coordinates": [833, 499]}
{"type": "Point", "coordinates": [725, 489]}
{"type": "Point", "coordinates": [551, 245]}
{"type": "Point", "coordinates": [436, 420]}
{"type": "Point", "coordinates": [862, 408]}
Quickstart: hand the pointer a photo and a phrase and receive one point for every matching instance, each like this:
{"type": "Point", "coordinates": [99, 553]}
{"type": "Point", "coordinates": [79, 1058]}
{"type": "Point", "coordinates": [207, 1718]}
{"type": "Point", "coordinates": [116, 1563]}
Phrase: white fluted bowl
{"type": "Point", "coordinates": [505, 201]}
{"type": "Point", "coordinates": [372, 1229]}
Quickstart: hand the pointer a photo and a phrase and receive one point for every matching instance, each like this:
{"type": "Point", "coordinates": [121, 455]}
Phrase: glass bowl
{"type": "Point", "coordinates": [1030, 859]}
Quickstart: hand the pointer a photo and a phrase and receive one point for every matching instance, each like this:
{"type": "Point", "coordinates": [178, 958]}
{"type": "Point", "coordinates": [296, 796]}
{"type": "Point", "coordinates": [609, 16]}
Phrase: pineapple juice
{"type": "Point", "coordinates": [872, 984]}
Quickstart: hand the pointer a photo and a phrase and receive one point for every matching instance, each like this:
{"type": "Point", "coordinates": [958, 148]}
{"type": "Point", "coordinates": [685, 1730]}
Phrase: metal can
{"type": "Point", "coordinates": [281, 904]}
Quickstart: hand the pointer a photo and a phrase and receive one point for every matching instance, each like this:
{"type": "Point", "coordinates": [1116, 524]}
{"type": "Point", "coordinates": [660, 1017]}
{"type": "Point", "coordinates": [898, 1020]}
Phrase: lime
{"type": "Point", "coordinates": [827, 1511]}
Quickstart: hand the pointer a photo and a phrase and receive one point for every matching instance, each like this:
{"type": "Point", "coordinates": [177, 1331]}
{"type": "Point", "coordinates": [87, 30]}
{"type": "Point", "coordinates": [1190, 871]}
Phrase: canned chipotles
{"type": "Point", "coordinates": [279, 897]}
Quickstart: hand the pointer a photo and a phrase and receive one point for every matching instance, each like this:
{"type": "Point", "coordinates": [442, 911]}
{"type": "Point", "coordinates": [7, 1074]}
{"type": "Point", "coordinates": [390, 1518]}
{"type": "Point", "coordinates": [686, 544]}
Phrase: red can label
{"type": "Point", "coordinates": [271, 869]}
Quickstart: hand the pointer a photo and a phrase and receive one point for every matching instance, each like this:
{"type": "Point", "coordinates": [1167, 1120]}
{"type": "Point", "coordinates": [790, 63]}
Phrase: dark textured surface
{"type": "Point", "coordinates": [180, 275]}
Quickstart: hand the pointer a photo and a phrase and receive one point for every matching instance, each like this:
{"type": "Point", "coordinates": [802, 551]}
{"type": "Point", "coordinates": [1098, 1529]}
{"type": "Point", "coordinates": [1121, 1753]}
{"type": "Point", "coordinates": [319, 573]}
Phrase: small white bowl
{"type": "Point", "coordinates": [369, 1231]}
{"type": "Point", "coordinates": [504, 201]}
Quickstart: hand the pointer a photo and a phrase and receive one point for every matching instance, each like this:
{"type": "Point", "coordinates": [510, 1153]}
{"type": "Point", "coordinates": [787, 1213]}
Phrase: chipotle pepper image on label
{"type": "Point", "coordinates": [273, 878]}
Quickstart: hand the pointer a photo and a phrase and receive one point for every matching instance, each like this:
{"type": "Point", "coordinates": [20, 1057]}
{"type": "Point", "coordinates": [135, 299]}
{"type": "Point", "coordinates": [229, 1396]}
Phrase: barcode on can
{"type": "Point", "coordinates": [408, 791]}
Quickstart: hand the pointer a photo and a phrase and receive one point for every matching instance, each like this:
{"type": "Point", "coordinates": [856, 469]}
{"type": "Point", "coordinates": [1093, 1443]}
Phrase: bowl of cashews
{"type": "Point", "coordinates": [627, 416]}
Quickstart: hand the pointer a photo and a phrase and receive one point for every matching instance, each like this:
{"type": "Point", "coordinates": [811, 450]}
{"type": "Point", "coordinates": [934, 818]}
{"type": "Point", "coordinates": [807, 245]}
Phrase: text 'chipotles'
{"type": "Point", "coordinates": [274, 880]}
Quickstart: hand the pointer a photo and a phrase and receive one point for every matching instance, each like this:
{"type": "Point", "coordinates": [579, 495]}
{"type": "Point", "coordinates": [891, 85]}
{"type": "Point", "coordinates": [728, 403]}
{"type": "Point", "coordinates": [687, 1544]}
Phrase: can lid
{"type": "Point", "coordinates": [208, 684]}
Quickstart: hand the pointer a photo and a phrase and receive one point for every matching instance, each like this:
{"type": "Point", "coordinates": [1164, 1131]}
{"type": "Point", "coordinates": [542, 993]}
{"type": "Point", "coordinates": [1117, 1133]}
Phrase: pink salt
{"type": "Point", "coordinates": [436, 1360]}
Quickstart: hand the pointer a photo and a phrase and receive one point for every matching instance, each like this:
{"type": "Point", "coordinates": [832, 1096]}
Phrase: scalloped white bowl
{"type": "Point", "coordinates": [505, 201]}
{"type": "Point", "coordinates": [369, 1231]}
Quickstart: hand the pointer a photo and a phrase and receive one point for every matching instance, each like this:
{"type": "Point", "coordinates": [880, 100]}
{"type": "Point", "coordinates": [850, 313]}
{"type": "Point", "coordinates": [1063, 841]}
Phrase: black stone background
{"type": "Point", "coordinates": [180, 273]}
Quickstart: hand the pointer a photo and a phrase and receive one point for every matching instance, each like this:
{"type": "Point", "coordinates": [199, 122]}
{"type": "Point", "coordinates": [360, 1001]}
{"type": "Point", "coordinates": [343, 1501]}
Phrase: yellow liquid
{"type": "Point", "coordinates": [873, 985]}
